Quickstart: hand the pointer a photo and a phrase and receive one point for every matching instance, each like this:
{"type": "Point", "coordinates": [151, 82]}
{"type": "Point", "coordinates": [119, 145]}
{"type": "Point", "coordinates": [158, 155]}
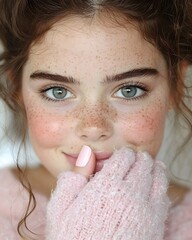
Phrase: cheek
{"type": "Point", "coordinates": [45, 129]}
{"type": "Point", "coordinates": [145, 128]}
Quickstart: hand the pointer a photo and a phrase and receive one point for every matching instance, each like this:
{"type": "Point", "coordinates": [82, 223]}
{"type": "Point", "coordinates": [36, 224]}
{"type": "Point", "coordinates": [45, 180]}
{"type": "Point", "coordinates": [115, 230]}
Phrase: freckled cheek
{"type": "Point", "coordinates": [46, 131]}
{"type": "Point", "coordinates": [144, 129]}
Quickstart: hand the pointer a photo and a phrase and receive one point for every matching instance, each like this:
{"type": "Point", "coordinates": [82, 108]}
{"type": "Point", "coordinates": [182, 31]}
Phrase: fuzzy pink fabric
{"type": "Point", "coordinates": [179, 225]}
{"type": "Point", "coordinates": [13, 203]}
{"type": "Point", "coordinates": [125, 200]}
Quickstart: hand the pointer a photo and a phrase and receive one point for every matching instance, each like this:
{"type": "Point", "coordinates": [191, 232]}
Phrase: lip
{"type": "Point", "coordinates": [100, 157]}
{"type": "Point", "coordinates": [72, 158]}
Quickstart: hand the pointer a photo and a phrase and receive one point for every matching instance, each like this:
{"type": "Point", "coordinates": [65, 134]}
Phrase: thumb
{"type": "Point", "coordinates": [85, 163]}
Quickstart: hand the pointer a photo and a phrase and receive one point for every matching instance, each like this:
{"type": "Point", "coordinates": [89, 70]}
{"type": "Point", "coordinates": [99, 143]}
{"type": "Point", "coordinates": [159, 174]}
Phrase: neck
{"type": "Point", "coordinates": [176, 193]}
{"type": "Point", "coordinates": [43, 182]}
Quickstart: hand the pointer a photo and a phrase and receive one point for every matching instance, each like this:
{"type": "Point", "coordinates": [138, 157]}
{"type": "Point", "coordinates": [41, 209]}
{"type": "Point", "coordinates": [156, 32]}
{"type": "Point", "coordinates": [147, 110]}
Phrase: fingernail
{"type": "Point", "coordinates": [84, 156]}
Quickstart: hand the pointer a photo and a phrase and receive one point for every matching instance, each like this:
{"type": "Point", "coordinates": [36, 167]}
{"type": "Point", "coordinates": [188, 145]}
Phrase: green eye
{"type": "Point", "coordinates": [57, 93]}
{"type": "Point", "coordinates": [130, 92]}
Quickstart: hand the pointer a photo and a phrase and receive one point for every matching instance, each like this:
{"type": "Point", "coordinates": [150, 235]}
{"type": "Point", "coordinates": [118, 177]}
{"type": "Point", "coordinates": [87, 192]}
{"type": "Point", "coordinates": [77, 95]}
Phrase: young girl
{"type": "Point", "coordinates": [90, 83]}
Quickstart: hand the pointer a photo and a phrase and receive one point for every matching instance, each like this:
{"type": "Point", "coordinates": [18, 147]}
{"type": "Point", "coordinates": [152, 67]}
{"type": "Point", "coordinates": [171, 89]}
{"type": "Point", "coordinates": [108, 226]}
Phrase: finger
{"type": "Point", "coordinates": [139, 180]}
{"type": "Point", "coordinates": [160, 185]}
{"type": "Point", "coordinates": [69, 185]}
{"type": "Point", "coordinates": [159, 200]}
{"type": "Point", "coordinates": [118, 165]}
{"type": "Point", "coordinates": [85, 164]}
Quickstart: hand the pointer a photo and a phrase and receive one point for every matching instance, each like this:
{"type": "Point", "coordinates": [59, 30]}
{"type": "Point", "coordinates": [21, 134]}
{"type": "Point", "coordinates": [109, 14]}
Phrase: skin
{"type": "Point", "coordinates": [94, 113]}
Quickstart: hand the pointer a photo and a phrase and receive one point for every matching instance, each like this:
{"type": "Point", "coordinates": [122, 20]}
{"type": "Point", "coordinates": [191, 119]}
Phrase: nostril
{"type": "Point", "coordinates": [84, 137]}
{"type": "Point", "coordinates": [103, 136]}
{"type": "Point", "coordinates": [93, 136]}
{"type": "Point", "coordinates": [93, 133]}
{"type": "Point", "coordinates": [87, 136]}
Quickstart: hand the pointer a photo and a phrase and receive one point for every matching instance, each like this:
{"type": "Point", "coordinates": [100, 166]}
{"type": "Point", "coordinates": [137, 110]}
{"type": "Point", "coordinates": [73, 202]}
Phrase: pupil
{"type": "Point", "coordinates": [59, 93]}
{"type": "Point", "coordinates": [129, 91]}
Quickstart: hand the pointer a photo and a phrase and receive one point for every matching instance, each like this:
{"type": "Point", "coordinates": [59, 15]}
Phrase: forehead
{"type": "Point", "coordinates": [81, 42]}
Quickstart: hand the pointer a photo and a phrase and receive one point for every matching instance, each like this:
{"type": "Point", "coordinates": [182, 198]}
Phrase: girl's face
{"type": "Point", "coordinates": [93, 84]}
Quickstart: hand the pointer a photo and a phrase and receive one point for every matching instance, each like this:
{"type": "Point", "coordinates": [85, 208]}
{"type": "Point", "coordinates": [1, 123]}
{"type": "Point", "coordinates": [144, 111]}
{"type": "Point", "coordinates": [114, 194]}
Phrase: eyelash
{"type": "Point", "coordinates": [139, 85]}
{"type": "Point", "coordinates": [44, 90]}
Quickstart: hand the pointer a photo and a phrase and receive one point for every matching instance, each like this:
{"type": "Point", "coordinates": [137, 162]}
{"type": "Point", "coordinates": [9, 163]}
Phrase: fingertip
{"type": "Point", "coordinates": [160, 182]}
{"type": "Point", "coordinates": [162, 164]}
{"type": "Point", "coordinates": [119, 164]}
{"type": "Point", "coordinates": [85, 164]}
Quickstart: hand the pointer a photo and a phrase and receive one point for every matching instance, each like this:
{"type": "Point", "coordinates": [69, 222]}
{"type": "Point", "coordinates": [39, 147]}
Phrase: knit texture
{"type": "Point", "coordinates": [126, 200]}
{"type": "Point", "coordinates": [13, 204]}
{"type": "Point", "coordinates": [179, 225]}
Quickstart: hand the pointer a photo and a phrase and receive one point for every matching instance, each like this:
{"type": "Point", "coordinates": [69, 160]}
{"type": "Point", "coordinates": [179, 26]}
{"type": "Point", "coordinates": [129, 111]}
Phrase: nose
{"type": "Point", "coordinates": [95, 122]}
{"type": "Point", "coordinates": [94, 134]}
{"type": "Point", "coordinates": [94, 130]}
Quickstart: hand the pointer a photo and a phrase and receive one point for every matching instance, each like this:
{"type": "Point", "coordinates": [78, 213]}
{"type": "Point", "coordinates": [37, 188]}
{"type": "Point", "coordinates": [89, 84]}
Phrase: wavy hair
{"type": "Point", "coordinates": [167, 24]}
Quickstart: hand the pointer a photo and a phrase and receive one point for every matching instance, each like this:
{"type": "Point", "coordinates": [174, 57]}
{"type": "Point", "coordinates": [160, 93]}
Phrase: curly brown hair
{"type": "Point", "coordinates": [167, 24]}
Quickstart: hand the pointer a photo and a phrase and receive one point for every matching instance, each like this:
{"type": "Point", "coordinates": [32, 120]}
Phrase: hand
{"type": "Point", "coordinates": [125, 200]}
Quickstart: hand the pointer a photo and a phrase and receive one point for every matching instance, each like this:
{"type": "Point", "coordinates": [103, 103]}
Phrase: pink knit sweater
{"type": "Point", "coordinates": [14, 199]}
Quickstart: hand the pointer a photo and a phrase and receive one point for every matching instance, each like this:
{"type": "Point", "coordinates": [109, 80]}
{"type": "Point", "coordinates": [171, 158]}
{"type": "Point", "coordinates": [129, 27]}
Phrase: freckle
{"type": "Point", "coordinates": [33, 113]}
{"type": "Point", "coordinates": [94, 115]}
{"type": "Point", "coordinates": [71, 147]}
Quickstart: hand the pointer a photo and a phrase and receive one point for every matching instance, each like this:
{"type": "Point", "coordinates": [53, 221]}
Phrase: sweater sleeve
{"type": "Point", "coordinates": [179, 225]}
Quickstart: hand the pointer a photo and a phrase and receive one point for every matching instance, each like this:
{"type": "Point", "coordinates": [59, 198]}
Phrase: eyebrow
{"type": "Point", "coordinates": [54, 77]}
{"type": "Point", "coordinates": [138, 72]}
